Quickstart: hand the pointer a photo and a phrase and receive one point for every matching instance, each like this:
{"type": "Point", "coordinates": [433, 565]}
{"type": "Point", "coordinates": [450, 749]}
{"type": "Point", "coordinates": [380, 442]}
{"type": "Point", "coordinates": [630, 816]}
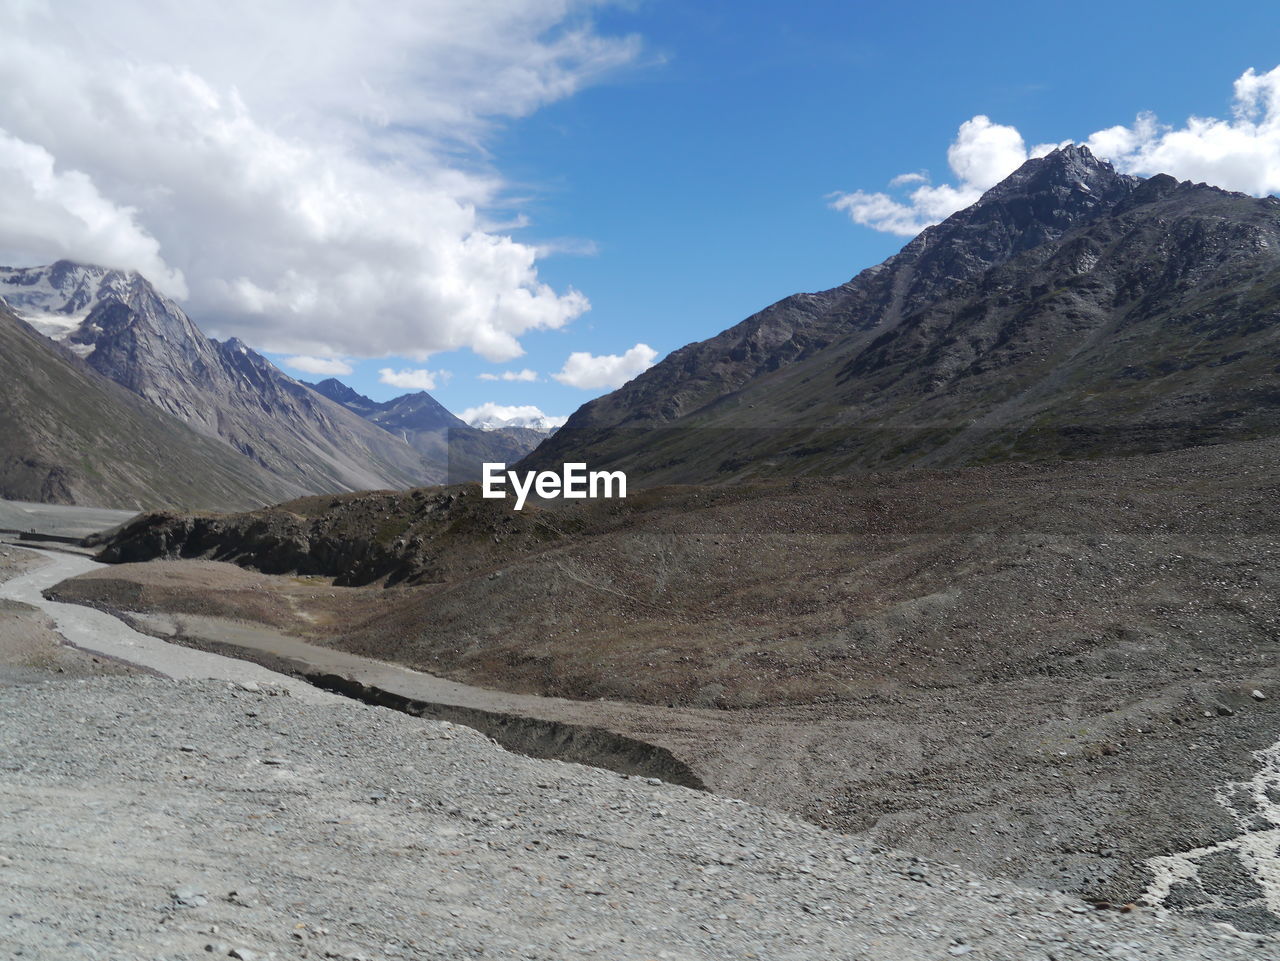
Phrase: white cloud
{"type": "Point", "coordinates": [527, 376]}
{"type": "Point", "coordinates": [608, 370]}
{"type": "Point", "coordinates": [47, 214]}
{"type": "Point", "coordinates": [903, 180]}
{"type": "Point", "coordinates": [1241, 153]}
{"type": "Point", "coordinates": [982, 155]}
{"type": "Point", "coordinates": [330, 366]}
{"type": "Point", "coordinates": [314, 171]}
{"type": "Point", "coordinates": [413, 379]}
{"type": "Point", "coordinates": [491, 415]}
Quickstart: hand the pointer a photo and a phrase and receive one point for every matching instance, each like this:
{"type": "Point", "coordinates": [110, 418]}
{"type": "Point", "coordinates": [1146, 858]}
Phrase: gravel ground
{"type": "Point", "coordinates": [156, 819]}
{"type": "Point", "coordinates": [58, 519]}
{"type": "Point", "coordinates": [1079, 777]}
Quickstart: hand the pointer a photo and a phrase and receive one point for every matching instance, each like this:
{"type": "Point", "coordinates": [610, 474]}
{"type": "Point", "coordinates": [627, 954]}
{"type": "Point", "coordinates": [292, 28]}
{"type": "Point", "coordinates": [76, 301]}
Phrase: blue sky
{"type": "Point", "coordinates": [391, 189]}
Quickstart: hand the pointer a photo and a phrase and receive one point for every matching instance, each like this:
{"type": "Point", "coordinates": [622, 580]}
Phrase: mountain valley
{"type": "Point", "coordinates": [72, 435]}
{"type": "Point", "coordinates": [974, 556]}
{"type": "Point", "coordinates": [279, 437]}
{"type": "Point", "coordinates": [438, 435]}
{"type": "Point", "coordinates": [883, 654]}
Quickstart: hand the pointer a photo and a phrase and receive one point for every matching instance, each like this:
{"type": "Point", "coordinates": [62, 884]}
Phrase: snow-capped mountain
{"type": "Point", "coordinates": [500, 417]}
{"type": "Point", "coordinates": [125, 329]}
{"type": "Point", "coordinates": [72, 436]}
{"type": "Point", "coordinates": [57, 299]}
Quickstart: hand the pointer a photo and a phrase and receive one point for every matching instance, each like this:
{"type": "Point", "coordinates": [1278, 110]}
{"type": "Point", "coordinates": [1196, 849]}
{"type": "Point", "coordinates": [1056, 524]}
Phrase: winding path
{"type": "Point", "coordinates": [527, 724]}
{"type": "Point", "coordinates": [100, 633]}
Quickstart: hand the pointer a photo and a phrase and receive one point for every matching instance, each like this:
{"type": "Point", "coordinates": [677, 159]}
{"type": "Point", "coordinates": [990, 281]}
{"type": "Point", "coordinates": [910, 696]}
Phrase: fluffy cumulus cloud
{"type": "Point", "coordinates": [490, 414]}
{"type": "Point", "coordinates": [1241, 152]}
{"type": "Point", "coordinates": [524, 376]}
{"type": "Point", "coordinates": [982, 155]}
{"type": "Point", "coordinates": [48, 214]}
{"type": "Point", "coordinates": [413, 379]}
{"type": "Point", "coordinates": [591, 372]}
{"type": "Point", "coordinates": [311, 176]}
{"type": "Point", "coordinates": [328, 366]}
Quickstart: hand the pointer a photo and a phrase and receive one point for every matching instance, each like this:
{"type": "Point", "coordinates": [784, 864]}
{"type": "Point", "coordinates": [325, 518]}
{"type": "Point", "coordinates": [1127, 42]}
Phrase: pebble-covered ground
{"type": "Point", "coordinates": [150, 819]}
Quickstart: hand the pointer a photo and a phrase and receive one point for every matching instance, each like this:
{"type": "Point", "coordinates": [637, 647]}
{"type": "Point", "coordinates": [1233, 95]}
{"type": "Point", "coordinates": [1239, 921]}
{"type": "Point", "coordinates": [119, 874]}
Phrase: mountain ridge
{"type": "Point", "coordinates": [968, 243]}
{"type": "Point", "coordinates": [413, 411]}
{"type": "Point", "coordinates": [129, 332]}
{"type": "Point", "coordinates": [870, 381]}
{"type": "Point", "coordinates": [428, 427]}
{"type": "Point", "coordinates": [74, 436]}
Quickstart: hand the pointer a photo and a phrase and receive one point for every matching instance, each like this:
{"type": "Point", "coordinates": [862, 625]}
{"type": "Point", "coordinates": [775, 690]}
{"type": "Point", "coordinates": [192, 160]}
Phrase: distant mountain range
{"type": "Point", "coordinates": [539, 422]}
{"type": "Point", "coordinates": [440, 436]}
{"type": "Point", "coordinates": [1072, 311]}
{"type": "Point", "coordinates": [275, 436]}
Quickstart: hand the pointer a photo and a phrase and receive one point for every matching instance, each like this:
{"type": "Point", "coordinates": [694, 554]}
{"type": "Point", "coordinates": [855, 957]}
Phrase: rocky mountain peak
{"type": "Point", "coordinates": [128, 331]}
{"type": "Point", "coordinates": [1157, 294]}
{"type": "Point", "coordinates": [418, 411]}
{"type": "Point", "coordinates": [338, 392]}
{"type": "Point", "coordinates": [85, 305]}
{"type": "Point", "coordinates": [56, 299]}
{"type": "Point", "coordinates": [1038, 202]}
{"type": "Point", "coordinates": [1072, 167]}
{"type": "Point", "coordinates": [238, 354]}
{"type": "Point", "coordinates": [335, 389]}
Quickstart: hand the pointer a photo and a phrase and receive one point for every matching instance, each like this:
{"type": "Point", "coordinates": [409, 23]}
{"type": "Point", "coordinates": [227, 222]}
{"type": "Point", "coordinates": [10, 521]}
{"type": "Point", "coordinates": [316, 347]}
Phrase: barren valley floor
{"type": "Point", "coordinates": [148, 818]}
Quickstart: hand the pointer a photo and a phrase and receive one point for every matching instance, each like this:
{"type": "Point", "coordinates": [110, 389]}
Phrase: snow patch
{"type": "Point", "coordinates": [491, 416]}
{"type": "Point", "coordinates": [55, 326]}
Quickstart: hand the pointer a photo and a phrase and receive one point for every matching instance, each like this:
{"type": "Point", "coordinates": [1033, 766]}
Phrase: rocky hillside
{"type": "Point", "coordinates": [1071, 311]}
{"type": "Point", "coordinates": [72, 436]}
{"type": "Point", "coordinates": [764, 593]}
{"type": "Point", "coordinates": [124, 329]}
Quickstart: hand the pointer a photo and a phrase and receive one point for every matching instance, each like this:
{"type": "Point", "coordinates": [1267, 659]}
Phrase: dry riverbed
{"type": "Point", "coordinates": [30, 647]}
{"type": "Point", "coordinates": [159, 820]}
{"type": "Point", "coordinates": [1005, 776]}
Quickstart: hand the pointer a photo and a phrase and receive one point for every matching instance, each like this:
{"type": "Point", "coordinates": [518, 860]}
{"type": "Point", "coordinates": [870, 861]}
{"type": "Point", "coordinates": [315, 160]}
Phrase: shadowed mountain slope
{"type": "Point", "coordinates": [440, 436]}
{"type": "Point", "coordinates": [71, 436]}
